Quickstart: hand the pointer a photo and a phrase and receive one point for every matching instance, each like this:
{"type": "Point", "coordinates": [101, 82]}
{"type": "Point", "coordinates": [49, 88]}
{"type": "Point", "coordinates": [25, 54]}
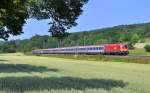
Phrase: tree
{"type": "Point", "coordinates": [147, 48]}
{"type": "Point", "coordinates": [62, 15]}
{"type": "Point", "coordinates": [52, 42]}
{"type": "Point", "coordinates": [24, 46]}
{"type": "Point", "coordinates": [9, 47]}
{"type": "Point", "coordinates": [134, 39]}
{"type": "Point", "coordinates": [13, 14]}
{"type": "Point", "coordinates": [38, 42]}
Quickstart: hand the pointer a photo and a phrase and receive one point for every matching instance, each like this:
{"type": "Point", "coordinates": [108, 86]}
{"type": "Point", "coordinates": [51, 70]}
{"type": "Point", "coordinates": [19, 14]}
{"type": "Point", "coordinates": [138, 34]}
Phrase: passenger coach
{"type": "Point", "coordinates": [107, 49]}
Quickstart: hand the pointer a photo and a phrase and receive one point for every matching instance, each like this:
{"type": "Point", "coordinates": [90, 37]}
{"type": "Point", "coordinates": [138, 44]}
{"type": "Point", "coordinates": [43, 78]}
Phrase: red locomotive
{"type": "Point", "coordinates": [107, 49]}
{"type": "Point", "coordinates": [116, 49]}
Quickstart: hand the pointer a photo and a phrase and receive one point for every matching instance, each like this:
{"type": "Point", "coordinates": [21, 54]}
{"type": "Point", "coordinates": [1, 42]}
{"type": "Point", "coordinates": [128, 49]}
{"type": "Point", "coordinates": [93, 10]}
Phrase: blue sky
{"type": "Point", "coordinates": [98, 14]}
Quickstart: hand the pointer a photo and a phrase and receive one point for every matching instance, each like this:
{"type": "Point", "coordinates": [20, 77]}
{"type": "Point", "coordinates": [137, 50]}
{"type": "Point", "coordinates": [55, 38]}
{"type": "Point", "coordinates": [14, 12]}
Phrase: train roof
{"type": "Point", "coordinates": [89, 46]}
{"type": "Point", "coordinates": [74, 47]}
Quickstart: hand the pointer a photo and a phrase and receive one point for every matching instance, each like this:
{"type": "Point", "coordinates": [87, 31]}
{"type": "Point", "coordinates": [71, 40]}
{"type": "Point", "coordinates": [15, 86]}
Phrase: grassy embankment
{"type": "Point", "coordinates": [139, 52]}
{"type": "Point", "coordinates": [99, 58]}
{"type": "Point", "coordinates": [32, 74]}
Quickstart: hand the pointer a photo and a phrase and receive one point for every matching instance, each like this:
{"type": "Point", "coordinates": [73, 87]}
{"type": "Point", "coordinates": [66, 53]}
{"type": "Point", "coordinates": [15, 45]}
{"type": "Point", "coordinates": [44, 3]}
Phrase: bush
{"type": "Point", "coordinates": [131, 45]}
{"type": "Point", "coordinates": [142, 41]}
{"type": "Point", "coordinates": [147, 48]}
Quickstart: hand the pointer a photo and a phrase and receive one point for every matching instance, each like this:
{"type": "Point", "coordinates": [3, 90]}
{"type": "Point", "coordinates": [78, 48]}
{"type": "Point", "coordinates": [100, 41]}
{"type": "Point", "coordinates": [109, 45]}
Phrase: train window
{"type": "Point", "coordinates": [125, 46]}
{"type": "Point", "coordinates": [101, 48]}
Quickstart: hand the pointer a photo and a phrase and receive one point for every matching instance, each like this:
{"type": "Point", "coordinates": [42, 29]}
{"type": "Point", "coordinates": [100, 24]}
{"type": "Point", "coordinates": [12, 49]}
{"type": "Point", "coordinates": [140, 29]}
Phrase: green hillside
{"type": "Point", "coordinates": [132, 34]}
{"type": "Point", "coordinates": [123, 33]}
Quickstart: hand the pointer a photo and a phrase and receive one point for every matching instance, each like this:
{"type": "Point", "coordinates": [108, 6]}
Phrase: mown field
{"type": "Point", "coordinates": [34, 74]}
{"type": "Point", "coordinates": [139, 52]}
{"type": "Point", "coordinates": [104, 58]}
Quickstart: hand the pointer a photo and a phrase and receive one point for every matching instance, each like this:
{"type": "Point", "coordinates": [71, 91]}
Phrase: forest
{"type": "Point", "coordinates": [123, 33]}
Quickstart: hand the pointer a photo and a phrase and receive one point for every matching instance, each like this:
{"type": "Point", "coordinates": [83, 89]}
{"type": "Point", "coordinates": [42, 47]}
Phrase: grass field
{"type": "Point", "coordinates": [99, 58]}
{"type": "Point", "coordinates": [139, 48]}
{"type": "Point", "coordinates": [139, 51]}
{"type": "Point", "coordinates": [32, 74]}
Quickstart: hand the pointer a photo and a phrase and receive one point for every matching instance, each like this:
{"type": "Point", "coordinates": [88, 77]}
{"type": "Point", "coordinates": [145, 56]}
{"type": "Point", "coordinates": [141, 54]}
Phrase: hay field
{"type": "Point", "coordinates": [32, 74]}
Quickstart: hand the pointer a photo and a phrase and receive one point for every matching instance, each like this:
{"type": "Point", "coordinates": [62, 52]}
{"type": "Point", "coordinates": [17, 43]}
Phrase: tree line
{"type": "Point", "coordinates": [123, 33]}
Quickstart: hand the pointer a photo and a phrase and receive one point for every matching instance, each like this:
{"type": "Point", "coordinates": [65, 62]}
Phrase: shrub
{"type": "Point", "coordinates": [147, 48]}
{"type": "Point", "coordinates": [142, 41]}
{"type": "Point", "coordinates": [131, 45]}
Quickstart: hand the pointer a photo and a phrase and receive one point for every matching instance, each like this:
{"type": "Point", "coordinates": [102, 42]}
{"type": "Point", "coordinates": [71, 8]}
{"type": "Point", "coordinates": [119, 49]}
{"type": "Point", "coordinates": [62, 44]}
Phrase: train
{"type": "Point", "coordinates": [104, 49]}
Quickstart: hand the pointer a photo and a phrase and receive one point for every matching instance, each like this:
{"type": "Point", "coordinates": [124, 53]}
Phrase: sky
{"type": "Point", "coordinates": [97, 14]}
